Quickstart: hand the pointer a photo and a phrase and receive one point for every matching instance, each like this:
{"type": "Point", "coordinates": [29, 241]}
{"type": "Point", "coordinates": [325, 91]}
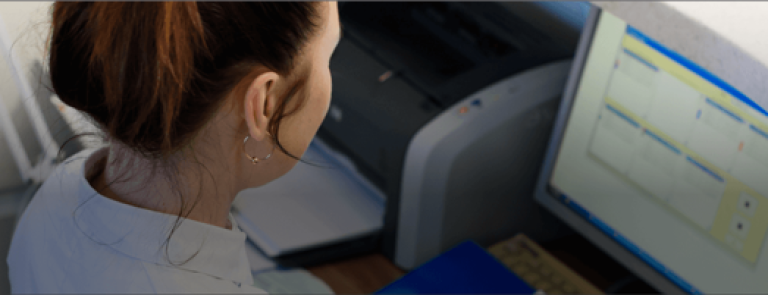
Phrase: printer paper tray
{"type": "Point", "coordinates": [309, 207]}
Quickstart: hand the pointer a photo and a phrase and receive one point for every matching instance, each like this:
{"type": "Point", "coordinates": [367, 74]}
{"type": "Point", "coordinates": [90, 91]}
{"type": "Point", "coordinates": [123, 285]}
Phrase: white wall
{"type": "Point", "coordinates": [726, 38]}
{"type": "Point", "coordinates": [28, 24]}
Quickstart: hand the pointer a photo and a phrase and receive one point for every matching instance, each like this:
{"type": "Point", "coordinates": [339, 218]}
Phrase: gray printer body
{"type": "Point", "coordinates": [446, 108]}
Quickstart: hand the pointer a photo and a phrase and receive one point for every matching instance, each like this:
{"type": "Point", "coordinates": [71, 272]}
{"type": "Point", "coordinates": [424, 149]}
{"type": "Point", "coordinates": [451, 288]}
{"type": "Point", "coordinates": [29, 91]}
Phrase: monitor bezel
{"type": "Point", "coordinates": [547, 195]}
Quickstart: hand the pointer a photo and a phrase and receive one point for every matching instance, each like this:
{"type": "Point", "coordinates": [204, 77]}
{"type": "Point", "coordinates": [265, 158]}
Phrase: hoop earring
{"type": "Point", "coordinates": [253, 159]}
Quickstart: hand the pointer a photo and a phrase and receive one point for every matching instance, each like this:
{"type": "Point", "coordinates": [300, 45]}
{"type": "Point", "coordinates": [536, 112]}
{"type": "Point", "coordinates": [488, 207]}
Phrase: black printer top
{"type": "Point", "coordinates": [448, 49]}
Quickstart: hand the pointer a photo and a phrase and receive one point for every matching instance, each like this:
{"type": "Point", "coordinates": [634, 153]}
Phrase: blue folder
{"type": "Point", "coordinates": [466, 268]}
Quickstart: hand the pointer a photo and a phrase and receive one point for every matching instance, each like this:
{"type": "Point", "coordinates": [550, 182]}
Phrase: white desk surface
{"type": "Point", "coordinates": [729, 39]}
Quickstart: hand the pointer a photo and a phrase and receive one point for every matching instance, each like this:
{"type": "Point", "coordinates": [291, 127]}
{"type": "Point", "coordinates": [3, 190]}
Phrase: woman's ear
{"type": "Point", "coordinates": [260, 104]}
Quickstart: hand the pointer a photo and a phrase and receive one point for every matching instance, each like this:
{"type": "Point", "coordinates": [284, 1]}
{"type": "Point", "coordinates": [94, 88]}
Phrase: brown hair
{"type": "Point", "coordinates": [151, 75]}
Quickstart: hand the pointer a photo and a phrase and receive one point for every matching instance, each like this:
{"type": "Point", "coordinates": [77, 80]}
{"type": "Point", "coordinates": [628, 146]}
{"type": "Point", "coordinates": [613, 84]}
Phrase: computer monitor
{"type": "Point", "coordinates": [661, 164]}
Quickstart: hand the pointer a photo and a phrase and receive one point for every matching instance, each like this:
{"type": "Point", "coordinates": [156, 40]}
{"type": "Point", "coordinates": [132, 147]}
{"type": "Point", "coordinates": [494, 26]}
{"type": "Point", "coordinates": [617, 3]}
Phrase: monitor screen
{"type": "Point", "coordinates": [667, 160]}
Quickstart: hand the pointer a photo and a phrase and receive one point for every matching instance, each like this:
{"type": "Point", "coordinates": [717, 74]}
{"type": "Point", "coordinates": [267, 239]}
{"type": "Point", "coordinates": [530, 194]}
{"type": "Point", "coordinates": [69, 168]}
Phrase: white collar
{"type": "Point", "coordinates": [141, 233]}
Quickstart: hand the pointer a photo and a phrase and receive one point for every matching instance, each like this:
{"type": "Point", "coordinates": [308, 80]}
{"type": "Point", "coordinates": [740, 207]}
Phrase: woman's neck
{"type": "Point", "coordinates": [204, 191]}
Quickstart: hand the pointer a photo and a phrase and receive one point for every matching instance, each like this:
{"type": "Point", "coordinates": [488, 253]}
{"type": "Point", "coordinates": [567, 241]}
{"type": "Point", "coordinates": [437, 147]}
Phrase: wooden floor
{"type": "Point", "coordinates": [359, 275]}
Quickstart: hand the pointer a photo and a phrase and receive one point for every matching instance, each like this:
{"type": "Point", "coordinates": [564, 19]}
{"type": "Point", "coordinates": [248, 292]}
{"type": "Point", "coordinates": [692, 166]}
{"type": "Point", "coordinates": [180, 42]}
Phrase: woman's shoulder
{"type": "Point", "coordinates": [52, 207]}
{"type": "Point", "coordinates": [48, 215]}
{"type": "Point", "coordinates": [170, 279]}
{"type": "Point", "coordinates": [50, 254]}
{"type": "Point", "coordinates": [62, 186]}
{"type": "Point", "coordinates": [65, 242]}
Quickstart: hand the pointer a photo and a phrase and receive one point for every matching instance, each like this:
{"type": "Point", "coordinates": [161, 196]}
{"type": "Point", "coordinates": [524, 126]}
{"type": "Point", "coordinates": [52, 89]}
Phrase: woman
{"type": "Point", "coordinates": [198, 101]}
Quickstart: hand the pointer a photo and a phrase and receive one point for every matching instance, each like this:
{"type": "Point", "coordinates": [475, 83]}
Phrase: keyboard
{"type": "Point", "coordinates": [540, 269]}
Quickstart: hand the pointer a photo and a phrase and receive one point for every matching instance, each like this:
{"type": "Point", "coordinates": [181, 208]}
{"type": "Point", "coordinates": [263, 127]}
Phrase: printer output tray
{"type": "Point", "coordinates": [312, 214]}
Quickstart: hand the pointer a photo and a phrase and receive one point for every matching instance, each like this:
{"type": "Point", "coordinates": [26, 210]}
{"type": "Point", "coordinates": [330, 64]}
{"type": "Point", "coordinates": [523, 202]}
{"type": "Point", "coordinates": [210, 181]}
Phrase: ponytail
{"type": "Point", "coordinates": [164, 38]}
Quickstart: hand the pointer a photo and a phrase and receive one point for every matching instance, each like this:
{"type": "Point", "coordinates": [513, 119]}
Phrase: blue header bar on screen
{"type": "Point", "coordinates": [694, 68]}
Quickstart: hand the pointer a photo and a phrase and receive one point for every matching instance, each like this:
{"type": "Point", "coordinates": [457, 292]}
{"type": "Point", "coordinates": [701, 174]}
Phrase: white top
{"type": "Point", "coordinates": [71, 239]}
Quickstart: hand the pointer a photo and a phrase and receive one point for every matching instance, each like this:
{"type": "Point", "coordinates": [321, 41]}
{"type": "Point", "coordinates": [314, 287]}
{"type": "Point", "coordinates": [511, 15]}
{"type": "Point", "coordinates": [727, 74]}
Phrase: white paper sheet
{"type": "Point", "coordinates": [258, 261]}
{"type": "Point", "coordinates": [309, 206]}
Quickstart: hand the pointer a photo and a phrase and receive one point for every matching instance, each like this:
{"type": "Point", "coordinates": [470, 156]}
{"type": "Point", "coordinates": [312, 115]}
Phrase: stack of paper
{"type": "Point", "coordinates": [310, 206]}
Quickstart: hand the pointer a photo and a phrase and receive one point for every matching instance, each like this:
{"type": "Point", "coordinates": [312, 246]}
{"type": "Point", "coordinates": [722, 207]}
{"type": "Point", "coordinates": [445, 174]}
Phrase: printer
{"type": "Point", "coordinates": [446, 108]}
{"type": "Point", "coordinates": [439, 117]}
